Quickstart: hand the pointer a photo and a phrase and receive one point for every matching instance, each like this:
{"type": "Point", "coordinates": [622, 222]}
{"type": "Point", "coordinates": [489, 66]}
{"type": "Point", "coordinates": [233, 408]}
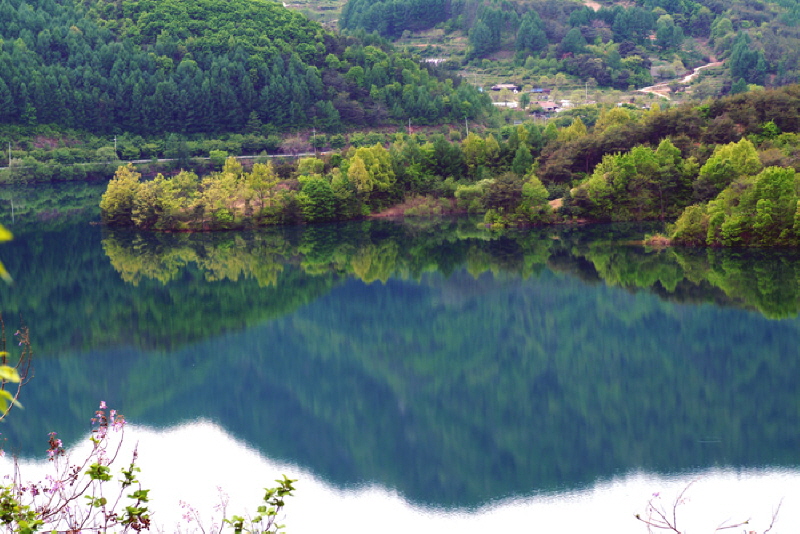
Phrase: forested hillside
{"type": "Point", "coordinates": [617, 44]}
{"type": "Point", "coordinates": [151, 67]}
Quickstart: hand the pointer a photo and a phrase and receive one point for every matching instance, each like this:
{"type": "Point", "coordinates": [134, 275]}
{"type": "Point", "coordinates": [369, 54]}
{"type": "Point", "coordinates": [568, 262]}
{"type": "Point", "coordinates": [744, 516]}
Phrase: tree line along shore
{"type": "Point", "coordinates": [724, 171]}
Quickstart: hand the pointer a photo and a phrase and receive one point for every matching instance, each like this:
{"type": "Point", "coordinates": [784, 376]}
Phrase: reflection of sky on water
{"type": "Point", "coordinates": [190, 462]}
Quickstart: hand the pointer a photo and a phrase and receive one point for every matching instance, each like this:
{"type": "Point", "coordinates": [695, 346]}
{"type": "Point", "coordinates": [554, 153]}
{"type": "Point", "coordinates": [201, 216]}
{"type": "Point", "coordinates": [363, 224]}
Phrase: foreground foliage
{"type": "Point", "coordinates": [14, 372]}
{"type": "Point", "coordinates": [82, 495]}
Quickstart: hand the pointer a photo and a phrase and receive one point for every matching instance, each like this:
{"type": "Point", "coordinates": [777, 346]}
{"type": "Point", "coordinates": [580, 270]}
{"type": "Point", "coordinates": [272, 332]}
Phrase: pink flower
{"type": "Point", "coordinates": [56, 447]}
{"type": "Point", "coordinates": [102, 405]}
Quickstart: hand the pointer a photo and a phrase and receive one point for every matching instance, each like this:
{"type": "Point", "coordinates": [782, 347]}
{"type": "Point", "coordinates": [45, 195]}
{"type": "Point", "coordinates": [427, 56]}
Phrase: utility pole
{"type": "Point", "coordinates": [115, 146]}
{"type": "Point", "coordinates": [409, 126]}
{"type": "Point", "coordinates": [466, 125]}
{"type": "Point", "coordinates": [9, 153]}
{"type": "Point", "coordinates": [315, 141]}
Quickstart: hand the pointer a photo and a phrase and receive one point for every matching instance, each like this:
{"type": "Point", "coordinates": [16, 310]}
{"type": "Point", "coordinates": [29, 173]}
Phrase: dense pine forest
{"type": "Point", "coordinates": [148, 68]}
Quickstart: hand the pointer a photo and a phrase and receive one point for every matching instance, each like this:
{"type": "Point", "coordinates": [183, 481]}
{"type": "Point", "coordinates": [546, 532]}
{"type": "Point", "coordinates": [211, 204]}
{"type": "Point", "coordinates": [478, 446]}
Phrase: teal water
{"type": "Point", "coordinates": [451, 366]}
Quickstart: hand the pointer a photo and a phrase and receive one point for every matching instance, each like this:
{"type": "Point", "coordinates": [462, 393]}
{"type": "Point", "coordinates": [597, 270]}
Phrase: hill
{"type": "Point", "coordinates": [151, 67]}
{"type": "Point", "coordinates": [621, 45]}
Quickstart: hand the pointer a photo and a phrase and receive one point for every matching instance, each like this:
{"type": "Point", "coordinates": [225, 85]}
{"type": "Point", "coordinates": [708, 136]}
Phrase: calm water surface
{"type": "Point", "coordinates": [425, 375]}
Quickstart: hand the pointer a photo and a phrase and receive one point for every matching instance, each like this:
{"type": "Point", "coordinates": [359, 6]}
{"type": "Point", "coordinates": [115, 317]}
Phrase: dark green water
{"type": "Point", "coordinates": [455, 366]}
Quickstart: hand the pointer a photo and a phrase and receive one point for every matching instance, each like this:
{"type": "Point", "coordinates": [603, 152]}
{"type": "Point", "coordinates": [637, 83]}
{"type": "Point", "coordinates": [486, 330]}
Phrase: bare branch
{"type": "Point", "coordinates": [723, 526]}
{"type": "Point", "coordinates": [657, 516]}
{"type": "Point", "coordinates": [774, 516]}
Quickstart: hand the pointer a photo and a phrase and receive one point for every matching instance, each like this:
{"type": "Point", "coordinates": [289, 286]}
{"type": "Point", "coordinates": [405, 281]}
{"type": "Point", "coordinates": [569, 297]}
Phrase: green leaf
{"type": "Point", "coordinates": [7, 398]}
{"type": "Point", "coordinates": [8, 373]}
{"type": "Point", "coordinates": [140, 495]}
{"type": "Point", "coordinates": [4, 274]}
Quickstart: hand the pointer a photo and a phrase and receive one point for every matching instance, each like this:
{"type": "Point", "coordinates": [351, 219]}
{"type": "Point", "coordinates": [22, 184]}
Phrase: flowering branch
{"type": "Point", "coordinates": [58, 503]}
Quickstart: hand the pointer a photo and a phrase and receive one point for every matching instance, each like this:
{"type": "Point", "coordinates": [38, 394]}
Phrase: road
{"type": "Point", "coordinates": [662, 89]}
{"type": "Point", "coordinates": [166, 160]}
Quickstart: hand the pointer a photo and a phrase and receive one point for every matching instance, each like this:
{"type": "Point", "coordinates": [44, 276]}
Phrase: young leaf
{"type": "Point", "coordinates": [9, 374]}
{"type": "Point", "coordinates": [4, 274]}
{"type": "Point", "coordinates": [7, 398]}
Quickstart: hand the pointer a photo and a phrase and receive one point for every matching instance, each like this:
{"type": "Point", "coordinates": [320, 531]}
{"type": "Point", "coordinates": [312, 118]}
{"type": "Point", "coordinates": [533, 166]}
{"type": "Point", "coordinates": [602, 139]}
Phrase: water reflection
{"type": "Point", "coordinates": [451, 366]}
{"type": "Point", "coordinates": [86, 290]}
{"type": "Point", "coordinates": [458, 391]}
{"type": "Point", "coordinates": [199, 463]}
{"type": "Point", "coordinates": [378, 251]}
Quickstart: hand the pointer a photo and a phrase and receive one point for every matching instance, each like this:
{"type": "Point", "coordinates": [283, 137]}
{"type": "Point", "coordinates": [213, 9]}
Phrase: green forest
{"type": "Point", "coordinates": [725, 170]}
{"type": "Point", "coordinates": [147, 68]}
{"type": "Point", "coordinates": [614, 44]}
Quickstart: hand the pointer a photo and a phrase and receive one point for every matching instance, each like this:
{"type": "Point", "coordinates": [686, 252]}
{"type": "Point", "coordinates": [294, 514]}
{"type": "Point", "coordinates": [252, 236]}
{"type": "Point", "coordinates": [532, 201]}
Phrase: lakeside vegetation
{"type": "Point", "coordinates": [726, 170]}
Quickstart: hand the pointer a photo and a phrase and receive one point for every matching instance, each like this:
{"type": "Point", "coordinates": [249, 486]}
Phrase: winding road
{"type": "Point", "coordinates": [662, 89]}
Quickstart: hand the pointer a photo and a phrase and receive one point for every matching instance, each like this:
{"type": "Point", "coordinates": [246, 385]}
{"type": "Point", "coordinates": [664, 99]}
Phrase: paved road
{"type": "Point", "coordinates": [166, 160]}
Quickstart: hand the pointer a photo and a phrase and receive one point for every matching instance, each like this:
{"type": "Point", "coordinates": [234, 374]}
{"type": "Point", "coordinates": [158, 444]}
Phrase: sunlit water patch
{"type": "Point", "coordinates": [199, 465]}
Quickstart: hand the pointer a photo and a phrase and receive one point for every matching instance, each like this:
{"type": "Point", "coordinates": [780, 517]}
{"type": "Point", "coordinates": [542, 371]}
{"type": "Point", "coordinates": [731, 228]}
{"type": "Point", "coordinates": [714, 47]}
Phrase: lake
{"type": "Point", "coordinates": [423, 374]}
